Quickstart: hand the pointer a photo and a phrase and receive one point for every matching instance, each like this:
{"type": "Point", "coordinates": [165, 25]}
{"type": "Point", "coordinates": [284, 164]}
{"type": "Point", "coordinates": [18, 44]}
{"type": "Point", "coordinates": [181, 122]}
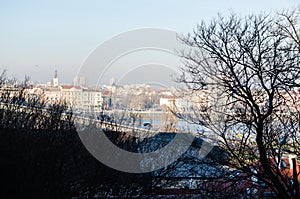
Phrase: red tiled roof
{"type": "Point", "coordinates": [106, 92]}
{"type": "Point", "coordinates": [243, 180]}
{"type": "Point", "coordinates": [70, 86]}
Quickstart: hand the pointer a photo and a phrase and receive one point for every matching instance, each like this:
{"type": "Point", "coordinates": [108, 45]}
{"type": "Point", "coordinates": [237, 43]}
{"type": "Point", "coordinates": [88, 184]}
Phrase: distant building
{"type": "Point", "coordinates": [55, 81]}
{"type": "Point", "coordinates": [80, 81]}
{"type": "Point", "coordinates": [107, 100]}
{"type": "Point", "coordinates": [79, 98]}
{"type": "Point", "coordinates": [249, 185]}
{"type": "Point", "coordinates": [112, 81]}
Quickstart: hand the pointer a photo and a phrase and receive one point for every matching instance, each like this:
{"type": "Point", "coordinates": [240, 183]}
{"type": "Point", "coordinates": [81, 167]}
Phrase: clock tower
{"type": "Point", "coordinates": [55, 79]}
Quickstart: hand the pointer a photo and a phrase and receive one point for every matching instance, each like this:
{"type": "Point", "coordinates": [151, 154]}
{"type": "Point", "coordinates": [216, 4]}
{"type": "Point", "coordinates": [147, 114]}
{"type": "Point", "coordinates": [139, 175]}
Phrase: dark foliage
{"type": "Point", "coordinates": [41, 155]}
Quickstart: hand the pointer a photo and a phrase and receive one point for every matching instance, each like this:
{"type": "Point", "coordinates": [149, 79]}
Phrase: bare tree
{"type": "Point", "coordinates": [249, 70]}
{"type": "Point", "coordinates": [288, 23]}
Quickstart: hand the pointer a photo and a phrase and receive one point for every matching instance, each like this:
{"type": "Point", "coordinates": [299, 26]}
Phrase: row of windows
{"type": "Point", "coordinates": [74, 99]}
{"type": "Point", "coordinates": [79, 93]}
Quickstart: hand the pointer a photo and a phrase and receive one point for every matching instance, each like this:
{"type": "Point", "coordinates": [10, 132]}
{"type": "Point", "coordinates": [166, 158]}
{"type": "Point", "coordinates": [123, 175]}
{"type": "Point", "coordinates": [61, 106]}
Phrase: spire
{"type": "Point", "coordinates": [55, 79]}
{"type": "Point", "coordinates": [55, 75]}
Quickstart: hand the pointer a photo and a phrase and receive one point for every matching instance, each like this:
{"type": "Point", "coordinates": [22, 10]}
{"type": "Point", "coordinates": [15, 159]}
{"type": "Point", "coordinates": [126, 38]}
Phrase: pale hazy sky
{"type": "Point", "coordinates": [38, 36]}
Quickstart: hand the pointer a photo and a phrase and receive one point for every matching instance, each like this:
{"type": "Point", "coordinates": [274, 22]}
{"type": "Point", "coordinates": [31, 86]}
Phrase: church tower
{"type": "Point", "coordinates": [55, 79]}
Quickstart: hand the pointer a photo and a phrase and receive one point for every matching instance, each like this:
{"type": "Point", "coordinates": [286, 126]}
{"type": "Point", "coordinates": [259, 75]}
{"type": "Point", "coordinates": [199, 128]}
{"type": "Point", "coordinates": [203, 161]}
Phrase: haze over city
{"type": "Point", "coordinates": [38, 37]}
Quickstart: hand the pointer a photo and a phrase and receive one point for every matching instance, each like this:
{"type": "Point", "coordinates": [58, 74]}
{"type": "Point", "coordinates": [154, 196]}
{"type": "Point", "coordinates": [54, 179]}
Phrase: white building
{"type": "Point", "coordinates": [76, 97]}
